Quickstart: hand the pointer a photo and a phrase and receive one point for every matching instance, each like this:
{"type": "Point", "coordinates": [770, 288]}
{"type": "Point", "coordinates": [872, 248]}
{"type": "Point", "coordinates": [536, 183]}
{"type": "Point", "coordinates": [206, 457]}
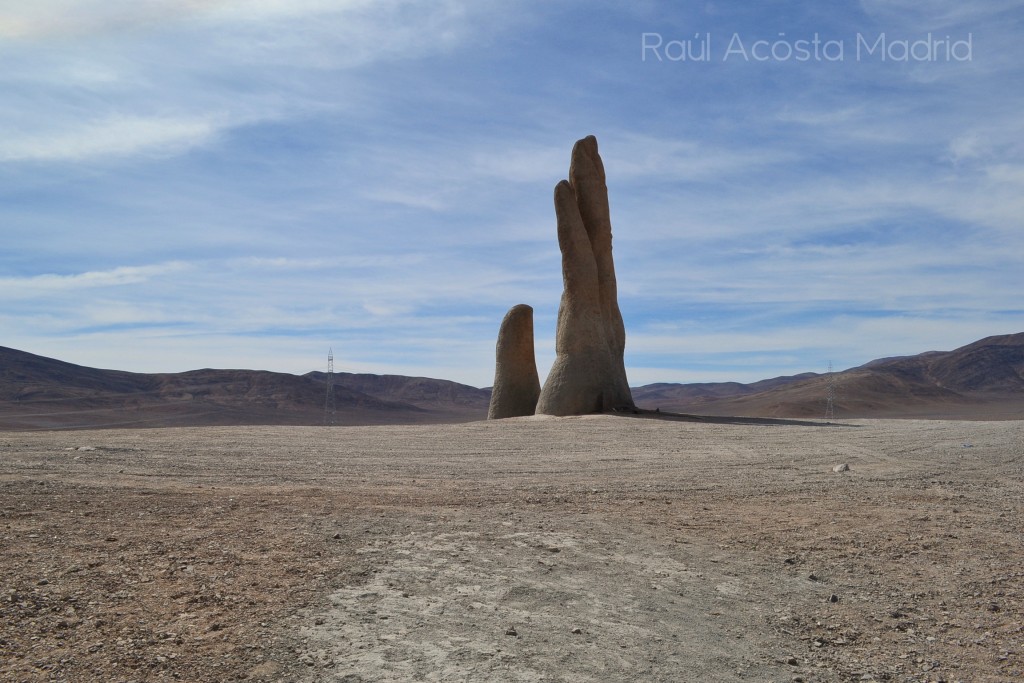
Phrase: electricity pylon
{"type": "Point", "coordinates": [329, 407]}
{"type": "Point", "coordinates": [830, 394]}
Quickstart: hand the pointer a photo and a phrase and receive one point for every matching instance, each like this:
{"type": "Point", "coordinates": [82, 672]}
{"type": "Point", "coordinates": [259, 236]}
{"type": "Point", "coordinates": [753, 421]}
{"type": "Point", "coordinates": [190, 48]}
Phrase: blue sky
{"type": "Point", "coordinates": [247, 183]}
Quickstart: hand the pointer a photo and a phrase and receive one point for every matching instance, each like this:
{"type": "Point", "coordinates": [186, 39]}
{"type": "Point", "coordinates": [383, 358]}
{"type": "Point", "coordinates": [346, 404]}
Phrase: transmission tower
{"type": "Point", "coordinates": [329, 407]}
{"type": "Point", "coordinates": [830, 394]}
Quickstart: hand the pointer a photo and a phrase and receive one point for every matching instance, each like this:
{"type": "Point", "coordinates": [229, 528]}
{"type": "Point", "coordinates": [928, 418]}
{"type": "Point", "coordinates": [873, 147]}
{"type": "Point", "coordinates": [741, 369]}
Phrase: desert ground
{"type": "Point", "coordinates": [598, 548]}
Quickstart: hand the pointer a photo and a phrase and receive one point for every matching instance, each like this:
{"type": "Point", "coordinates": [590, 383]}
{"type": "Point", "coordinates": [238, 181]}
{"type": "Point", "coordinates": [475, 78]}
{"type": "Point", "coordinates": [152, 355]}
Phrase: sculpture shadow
{"type": "Point", "coordinates": [643, 413]}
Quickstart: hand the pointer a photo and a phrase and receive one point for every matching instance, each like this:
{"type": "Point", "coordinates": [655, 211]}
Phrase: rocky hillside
{"type": "Point", "coordinates": [983, 380]}
{"type": "Point", "coordinates": [43, 393]}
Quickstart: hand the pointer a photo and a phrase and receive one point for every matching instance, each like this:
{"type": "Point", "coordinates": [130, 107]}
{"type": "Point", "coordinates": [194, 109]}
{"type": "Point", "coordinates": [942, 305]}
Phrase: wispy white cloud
{"type": "Point", "coordinates": [61, 19]}
{"type": "Point", "coordinates": [114, 136]}
{"type": "Point", "coordinates": [121, 78]}
{"type": "Point", "coordinates": [837, 119]}
{"type": "Point", "coordinates": [23, 287]}
{"type": "Point", "coordinates": [936, 14]}
{"type": "Point", "coordinates": [636, 157]}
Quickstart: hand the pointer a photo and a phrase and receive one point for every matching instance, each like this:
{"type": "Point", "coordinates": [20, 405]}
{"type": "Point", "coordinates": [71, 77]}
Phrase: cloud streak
{"type": "Point", "coordinates": [20, 287]}
{"type": "Point", "coordinates": [114, 136]}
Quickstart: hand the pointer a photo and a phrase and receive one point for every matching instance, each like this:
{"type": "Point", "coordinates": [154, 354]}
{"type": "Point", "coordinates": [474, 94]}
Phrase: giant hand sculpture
{"type": "Point", "coordinates": [588, 374]}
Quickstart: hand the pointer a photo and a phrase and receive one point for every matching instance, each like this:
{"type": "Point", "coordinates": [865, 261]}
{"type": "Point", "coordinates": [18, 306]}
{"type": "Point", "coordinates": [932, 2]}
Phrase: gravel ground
{"type": "Point", "coordinates": [597, 548]}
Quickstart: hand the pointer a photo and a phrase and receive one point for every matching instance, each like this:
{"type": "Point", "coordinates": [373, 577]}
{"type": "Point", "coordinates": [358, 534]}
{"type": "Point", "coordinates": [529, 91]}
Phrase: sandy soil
{"type": "Point", "coordinates": [573, 549]}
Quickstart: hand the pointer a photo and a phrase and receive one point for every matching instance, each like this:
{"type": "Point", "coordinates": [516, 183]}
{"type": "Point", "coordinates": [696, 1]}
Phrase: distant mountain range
{"type": "Point", "coordinates": [42, 393]}
{"type": "Point", "coordinates": [983, 380]}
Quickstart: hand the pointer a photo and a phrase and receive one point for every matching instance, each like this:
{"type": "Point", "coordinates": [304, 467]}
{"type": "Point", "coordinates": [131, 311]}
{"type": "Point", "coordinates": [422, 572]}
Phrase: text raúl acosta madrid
{"type": "Point", "coordinates": [655, 47]}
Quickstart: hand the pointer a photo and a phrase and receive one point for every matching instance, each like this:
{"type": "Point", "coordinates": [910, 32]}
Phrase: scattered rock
{"type": "Point", "coordinates": [833, 598]}
{"type": "Point", "coordinates": [511, 631]}
{"type": "Point", "coordinates": [577, 631]}
{"type": "Point", "coordinates": [843, 467]}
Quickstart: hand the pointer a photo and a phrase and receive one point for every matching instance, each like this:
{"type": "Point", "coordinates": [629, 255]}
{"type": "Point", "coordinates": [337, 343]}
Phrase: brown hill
{"type": "Point", "coordinates": [422, 392]}
{"type": "Point", "coordinates": [43, 393]}
{"type": "Point", "coordinates": [983, 380]}
{"type": "Point", "coordinates": [702, 392]}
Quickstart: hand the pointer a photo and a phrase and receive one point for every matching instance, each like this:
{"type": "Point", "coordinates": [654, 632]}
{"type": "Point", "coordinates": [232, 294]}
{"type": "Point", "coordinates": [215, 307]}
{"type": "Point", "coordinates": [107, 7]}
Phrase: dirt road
{"type": "Point", "coordinates": [537, 549]}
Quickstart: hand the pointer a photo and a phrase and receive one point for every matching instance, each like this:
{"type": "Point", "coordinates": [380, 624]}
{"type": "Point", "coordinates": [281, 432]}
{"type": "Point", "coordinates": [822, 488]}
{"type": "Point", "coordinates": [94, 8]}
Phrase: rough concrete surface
{"type": "Point", "coordinates": [516, 383]}
{"type": "Point", "coordinates": [588, 374]}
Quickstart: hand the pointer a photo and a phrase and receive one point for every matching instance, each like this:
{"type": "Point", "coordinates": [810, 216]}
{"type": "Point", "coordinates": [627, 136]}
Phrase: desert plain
{"type": "Point", "coordinates": [593, 548]}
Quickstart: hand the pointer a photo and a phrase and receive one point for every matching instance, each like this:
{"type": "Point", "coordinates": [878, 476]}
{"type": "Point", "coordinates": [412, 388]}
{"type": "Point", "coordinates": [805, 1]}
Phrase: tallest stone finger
{"type": "Point", "coordinates": [587, 178]}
